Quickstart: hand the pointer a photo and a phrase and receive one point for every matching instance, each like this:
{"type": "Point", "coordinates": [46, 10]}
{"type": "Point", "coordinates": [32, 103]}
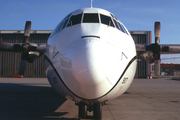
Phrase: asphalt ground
{"type": "Point", "coordinates": [34, 99]}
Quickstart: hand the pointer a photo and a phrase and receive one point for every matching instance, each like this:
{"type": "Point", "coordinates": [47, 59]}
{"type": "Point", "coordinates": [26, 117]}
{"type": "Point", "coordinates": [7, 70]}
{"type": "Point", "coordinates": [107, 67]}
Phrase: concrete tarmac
{"type": "Point", "coordinates": [34, 99]}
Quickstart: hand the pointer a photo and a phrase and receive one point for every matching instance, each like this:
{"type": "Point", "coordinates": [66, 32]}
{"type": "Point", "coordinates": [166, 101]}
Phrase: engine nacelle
{"type": "Point", "coordinates": [148, 56]}
{"type": "Point", "coordinates": [32, 56]}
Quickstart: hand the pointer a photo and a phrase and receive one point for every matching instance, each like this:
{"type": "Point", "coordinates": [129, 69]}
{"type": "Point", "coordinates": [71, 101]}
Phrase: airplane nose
{"type": "Point", "coordinates": [95, 66]}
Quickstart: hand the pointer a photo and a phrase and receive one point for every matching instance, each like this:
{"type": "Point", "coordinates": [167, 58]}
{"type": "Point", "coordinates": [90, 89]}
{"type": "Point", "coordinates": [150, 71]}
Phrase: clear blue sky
{"type": "Point", "coordinates": [134, 14]}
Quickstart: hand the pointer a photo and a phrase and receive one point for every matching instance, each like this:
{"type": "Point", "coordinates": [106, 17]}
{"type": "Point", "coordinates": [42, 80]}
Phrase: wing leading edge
{"type": "Point", "coordinates": [164, 48]}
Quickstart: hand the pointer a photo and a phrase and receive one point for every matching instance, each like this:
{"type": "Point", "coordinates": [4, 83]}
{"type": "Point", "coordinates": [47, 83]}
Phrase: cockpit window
{"type": "Point", "coordinates": [71, 20]}
{"type": "Point", "coordinates": [119, 25]}
{"type": "Point", "coordinates": [65, 23]}
{"type": "Point", "coordinates": [91, 18]}
{"type": "Point", "coordinates": [67, 16]}
{"type": "Point", "coordinates": [75, 19]}
{"type": "Point", "coordinates": [106, 20]}
{"type": "Point", "coordinates": [116, 23]}
{"type": "Point", "coordinates": [114, 16]}
{"type": "Point", "coordinates": [61, 25]}
{"type": "Point", "coordinates": [124, 29]}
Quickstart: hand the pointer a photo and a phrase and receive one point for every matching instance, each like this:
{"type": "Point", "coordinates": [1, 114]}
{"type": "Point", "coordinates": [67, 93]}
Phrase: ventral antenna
{"type": "Point", "coordinates": [91, 3]}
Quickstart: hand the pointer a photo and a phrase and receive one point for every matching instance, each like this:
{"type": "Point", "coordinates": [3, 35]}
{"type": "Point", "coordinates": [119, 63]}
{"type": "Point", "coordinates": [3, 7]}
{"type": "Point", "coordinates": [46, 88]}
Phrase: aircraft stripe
{"type": "Point", "coordinates": [131, 61]}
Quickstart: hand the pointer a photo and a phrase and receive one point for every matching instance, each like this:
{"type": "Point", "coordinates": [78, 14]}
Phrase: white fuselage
{"type": "Point", "coordinates": [90, 61]}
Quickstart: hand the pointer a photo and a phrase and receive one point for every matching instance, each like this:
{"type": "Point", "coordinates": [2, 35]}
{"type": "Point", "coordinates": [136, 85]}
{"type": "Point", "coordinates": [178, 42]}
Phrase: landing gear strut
{"type": "Point", "coordinates": [94, 107]}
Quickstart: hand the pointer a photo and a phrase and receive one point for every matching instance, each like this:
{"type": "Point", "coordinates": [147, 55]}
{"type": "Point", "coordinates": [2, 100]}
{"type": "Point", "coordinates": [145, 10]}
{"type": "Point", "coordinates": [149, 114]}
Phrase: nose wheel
{"type": "Point", "coordinates": [94, 107]}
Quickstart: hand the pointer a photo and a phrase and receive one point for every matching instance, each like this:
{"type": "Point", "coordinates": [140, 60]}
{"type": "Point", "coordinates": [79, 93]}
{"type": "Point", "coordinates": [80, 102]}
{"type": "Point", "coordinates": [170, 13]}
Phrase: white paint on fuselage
{"type": "Point", "coordinates": [90, 67]}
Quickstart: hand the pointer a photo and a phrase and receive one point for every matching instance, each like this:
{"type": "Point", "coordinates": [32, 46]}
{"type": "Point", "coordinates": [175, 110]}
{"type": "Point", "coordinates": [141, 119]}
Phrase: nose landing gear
{"type": "Point", "coordinates": [91, 107]}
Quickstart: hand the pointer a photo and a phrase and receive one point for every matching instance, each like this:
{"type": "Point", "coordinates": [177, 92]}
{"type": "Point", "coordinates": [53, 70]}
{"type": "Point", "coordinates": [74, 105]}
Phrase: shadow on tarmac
{"type": "Point", "coordinates": [20, 102]}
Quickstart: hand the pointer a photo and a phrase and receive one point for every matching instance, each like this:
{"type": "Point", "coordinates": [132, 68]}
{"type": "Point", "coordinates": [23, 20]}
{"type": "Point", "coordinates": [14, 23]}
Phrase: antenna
{"type": "Point", "coordinates": [91, 3]}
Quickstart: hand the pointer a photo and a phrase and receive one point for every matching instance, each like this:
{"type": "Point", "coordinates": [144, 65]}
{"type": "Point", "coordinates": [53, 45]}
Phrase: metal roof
{"type": "Point", "coordinates": [22, 31]}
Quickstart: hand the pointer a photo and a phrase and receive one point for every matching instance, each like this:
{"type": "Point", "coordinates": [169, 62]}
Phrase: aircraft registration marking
{"type": "Point", "coordinates": [125, 80]}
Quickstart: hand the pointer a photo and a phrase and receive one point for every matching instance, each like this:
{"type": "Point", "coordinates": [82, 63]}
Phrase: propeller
{"type": "Point", "coordinates": [155, 48]}
{"type": "Point", "coordinates": [30, 51]}
{"type": "Point", "coordinates": [25, 48]}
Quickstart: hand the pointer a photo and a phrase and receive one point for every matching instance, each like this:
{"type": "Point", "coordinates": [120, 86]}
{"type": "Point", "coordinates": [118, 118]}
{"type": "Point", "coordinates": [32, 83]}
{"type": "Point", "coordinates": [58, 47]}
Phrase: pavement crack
{"type": "Point", "coordinates": [110, 112]}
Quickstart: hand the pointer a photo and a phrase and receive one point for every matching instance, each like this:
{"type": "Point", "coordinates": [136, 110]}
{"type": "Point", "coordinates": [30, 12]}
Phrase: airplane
{"type": "Point", "coordinates": [90, 57]}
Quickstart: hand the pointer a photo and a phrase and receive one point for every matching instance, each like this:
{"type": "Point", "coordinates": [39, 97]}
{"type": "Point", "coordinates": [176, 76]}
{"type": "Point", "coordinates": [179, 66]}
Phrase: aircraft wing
{"type": "Point", "coordinates": [151, 53]}
{"type": "Point", "coordinates": [20, 47]}
{"type": "Point", "coordinates": [170, 49]}
{"type": "Point", "coordinates": [164, 48]}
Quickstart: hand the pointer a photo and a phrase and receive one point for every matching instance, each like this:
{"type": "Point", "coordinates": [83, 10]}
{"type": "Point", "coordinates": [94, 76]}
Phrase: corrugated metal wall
{"type": "Point", "coordinates": [143, 67]}
{"type": "Point", "coordinates": [10, 61]}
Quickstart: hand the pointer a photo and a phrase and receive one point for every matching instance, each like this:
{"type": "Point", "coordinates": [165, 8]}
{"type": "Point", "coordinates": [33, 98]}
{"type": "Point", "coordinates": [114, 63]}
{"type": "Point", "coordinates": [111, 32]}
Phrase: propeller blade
{"type": "Point", "coordinates": [157, 66]}
{"type": "Point", "coordinates": [22, 64]}
{"type": "Point", "coordinates": [27, 31]}
{"type": "Point", "coordinates": [22, 67]}
{"type": "Point", "coordinates": [157, 30]}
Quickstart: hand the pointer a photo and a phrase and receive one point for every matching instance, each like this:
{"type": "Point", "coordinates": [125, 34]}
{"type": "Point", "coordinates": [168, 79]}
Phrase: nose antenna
{"type": "Point", "coordinates": [91, 3]}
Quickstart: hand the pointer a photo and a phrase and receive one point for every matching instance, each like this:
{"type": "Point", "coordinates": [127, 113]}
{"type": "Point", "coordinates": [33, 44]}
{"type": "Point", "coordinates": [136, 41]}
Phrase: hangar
{"type": "Point", "coordinates": [9, 62]}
